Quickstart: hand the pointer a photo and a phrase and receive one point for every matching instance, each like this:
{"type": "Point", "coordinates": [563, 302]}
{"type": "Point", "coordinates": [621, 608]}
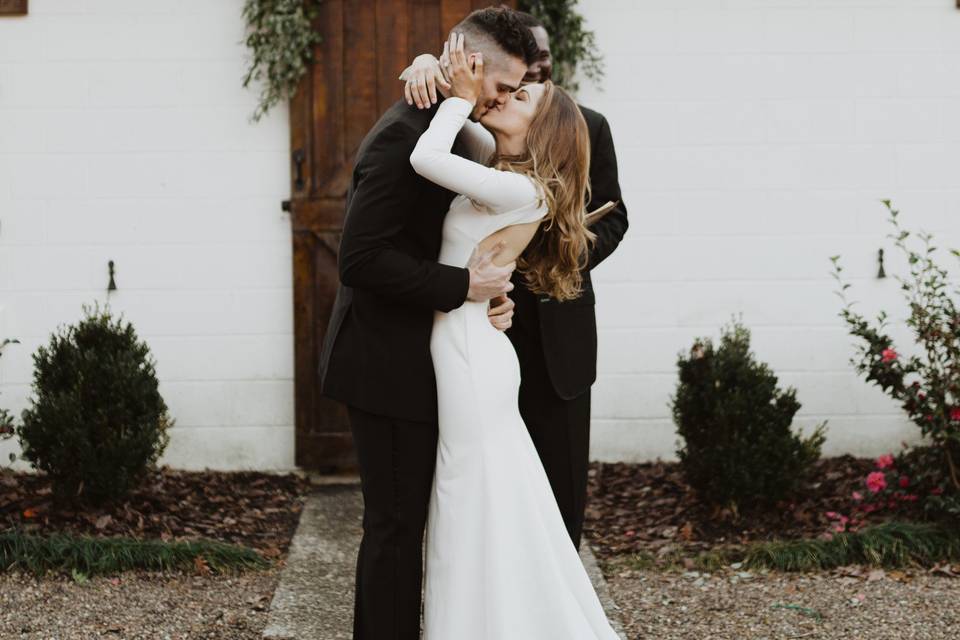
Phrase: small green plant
{"type": "Point", "coordinates": [926, 384]}
{"type": "Point", "coordinates": [280, 35]}
{"type": "Point", "coordinates": [6, 418]}
{"type": "Point", "coordinates": [572, 45]}
{"type": "Point", "coordinates": [97, 421]}
{"type": "Point", "coordinates": [738, 448]}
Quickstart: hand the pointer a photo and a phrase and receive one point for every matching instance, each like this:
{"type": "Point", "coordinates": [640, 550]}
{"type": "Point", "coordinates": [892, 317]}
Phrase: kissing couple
{"type": "Point", "coordinates": [471, 432]}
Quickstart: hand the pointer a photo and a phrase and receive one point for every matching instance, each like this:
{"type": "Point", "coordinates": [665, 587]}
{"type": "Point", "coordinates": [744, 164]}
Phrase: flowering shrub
{"type": "Point", "coordinates": [896, 486]}
{"type": "Point", "coordinates": [926, 385]}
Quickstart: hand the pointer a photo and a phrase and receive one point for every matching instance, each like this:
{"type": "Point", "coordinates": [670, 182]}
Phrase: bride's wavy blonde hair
{"type": "Point", "coordinates": [558, 159]}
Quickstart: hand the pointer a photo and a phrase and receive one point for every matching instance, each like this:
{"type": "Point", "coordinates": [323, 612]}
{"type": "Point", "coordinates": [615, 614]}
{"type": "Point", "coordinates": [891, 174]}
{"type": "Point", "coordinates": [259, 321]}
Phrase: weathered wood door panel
{"type": "Point", "coordinates": [353, 79]}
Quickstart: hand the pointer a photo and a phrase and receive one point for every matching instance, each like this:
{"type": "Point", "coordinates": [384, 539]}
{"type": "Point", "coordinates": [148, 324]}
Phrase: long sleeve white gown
{"type": "Point", "coordinates": [499, 562]}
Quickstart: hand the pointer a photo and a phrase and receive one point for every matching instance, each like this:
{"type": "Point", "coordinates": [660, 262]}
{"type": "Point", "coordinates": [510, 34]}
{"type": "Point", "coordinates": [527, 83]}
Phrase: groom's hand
{"type": "Point", "coordinates": [487, 280]}
{"type": "Point", "coordinates": [501, 312]}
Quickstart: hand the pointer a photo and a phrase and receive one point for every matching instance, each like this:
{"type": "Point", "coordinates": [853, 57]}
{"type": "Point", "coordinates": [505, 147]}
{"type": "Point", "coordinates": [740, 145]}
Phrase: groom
{"type": "Point", "coordinates": [376, 353]}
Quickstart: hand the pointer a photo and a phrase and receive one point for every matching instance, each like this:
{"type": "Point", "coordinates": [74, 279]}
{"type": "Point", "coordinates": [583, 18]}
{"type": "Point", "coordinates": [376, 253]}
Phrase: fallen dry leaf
{"type": "Point", "coordinates": [201, 566]}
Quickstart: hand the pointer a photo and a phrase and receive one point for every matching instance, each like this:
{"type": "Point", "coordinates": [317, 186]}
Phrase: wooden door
{"type": "Point", "coordinates": [353, 79]}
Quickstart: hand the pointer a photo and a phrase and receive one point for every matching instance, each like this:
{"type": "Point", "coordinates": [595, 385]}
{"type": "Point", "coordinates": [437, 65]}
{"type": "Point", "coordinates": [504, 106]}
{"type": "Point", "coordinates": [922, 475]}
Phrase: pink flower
{"type": "Point", "coordinates": [833, 515]}
{"type": "Point", "coordinates": [885, 461]}
{"type": "Point", "coordinates": [876, 481]}
{"type": "Point", "coordinates": [889, 355]}
{"type": "Point", "coordinates": [904, 482]}
{"type": "Point", "coordinates": [857, 496]}
{"type": "Point", "coordinates": [955, 413]}
{"type": "Point", "coordinates": [911, 497]}
{"type": "Point", "coordinates": [936, 491]}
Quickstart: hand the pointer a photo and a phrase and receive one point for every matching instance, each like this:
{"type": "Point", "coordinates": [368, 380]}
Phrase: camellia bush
{"type": "Point", "coordinates": [97, 422]}
{"type": "Point", "coordinates": [738, 446]}
{"type": "Point", "coordinates": [927, 384]}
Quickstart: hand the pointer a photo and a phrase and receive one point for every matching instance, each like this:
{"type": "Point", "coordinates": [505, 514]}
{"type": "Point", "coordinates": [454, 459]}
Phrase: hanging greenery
{"type": "Point", "coordinates": [281, 37]}
{"type": "Point", "coordinates": [572, 46]}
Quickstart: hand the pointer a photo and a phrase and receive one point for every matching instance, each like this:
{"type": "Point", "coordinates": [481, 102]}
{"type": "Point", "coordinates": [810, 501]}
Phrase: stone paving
{"type": "Point", "coordinates": [314, 600]}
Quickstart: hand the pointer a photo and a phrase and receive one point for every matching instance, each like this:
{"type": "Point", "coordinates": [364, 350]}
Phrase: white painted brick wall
{"type": "Point", "coordinates": [124, 136]}
{"type": "Point", "coordinates": [755, 139]}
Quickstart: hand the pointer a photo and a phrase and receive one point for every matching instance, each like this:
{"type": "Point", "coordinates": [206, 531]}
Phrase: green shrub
{"type": "Point", "coordinates": [97, 422]}
{"type": "Point", "coordinates": [737, 447]}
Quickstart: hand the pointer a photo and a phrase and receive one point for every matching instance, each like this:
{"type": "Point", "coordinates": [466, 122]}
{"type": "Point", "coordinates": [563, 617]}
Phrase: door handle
{"type": "Point", "coordinates": [298, 157]}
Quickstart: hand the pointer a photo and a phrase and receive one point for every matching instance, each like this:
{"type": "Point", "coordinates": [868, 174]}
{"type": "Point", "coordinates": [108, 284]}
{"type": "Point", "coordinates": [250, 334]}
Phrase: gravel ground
{"type": "Point", "coordinates": [136, 606]}
{"type": "Point", "coordinates": [849, 603]}
{"type": "Point", "coordinates": [749, 606]}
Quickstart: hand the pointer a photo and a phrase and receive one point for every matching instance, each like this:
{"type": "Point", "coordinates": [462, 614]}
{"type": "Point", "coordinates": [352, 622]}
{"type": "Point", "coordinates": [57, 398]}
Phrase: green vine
{"type": "Point", "coordinates": [281, 37]}
{"type": "Point", "coordinates": [571, 44]}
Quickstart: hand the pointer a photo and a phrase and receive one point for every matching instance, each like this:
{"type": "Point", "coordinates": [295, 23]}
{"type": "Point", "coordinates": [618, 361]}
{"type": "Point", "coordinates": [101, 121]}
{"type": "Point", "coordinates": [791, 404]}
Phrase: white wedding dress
{"type": "Point", "coordinates": [499, 561]}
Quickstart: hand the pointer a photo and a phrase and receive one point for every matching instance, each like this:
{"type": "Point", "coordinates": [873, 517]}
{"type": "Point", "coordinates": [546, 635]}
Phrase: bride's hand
{"type": "Point", "coordinates": [423, 77]}
{"type": "Point", "coordinates": [466, 74]}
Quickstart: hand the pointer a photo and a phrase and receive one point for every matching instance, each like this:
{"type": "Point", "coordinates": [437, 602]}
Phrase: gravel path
{"type": "Point", "coordinates": [848, 603]}
{"type": "Point", "coordinates": [136, 606]}
{"type": "Point", "coordinates": [748, 606]}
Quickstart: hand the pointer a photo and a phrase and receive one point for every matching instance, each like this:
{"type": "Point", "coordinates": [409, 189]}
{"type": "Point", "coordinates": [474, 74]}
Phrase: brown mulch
{"type": "Point", "coordinates": [648, 508]}
{"type": "Point", "coordinates": [255, 509]}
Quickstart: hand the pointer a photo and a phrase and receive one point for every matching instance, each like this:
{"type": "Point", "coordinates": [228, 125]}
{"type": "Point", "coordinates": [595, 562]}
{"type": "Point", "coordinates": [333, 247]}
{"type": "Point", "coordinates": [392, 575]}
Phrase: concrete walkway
{"type": "Point", "coordinates": [314, 600]}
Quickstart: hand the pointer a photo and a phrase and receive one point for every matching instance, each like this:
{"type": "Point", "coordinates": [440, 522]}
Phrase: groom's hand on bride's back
{"type": "Point", "coordinates": [487, 280]}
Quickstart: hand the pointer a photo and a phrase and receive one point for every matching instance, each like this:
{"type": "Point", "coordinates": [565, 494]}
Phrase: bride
{"type": "Point", "coordinates": [499, 561]}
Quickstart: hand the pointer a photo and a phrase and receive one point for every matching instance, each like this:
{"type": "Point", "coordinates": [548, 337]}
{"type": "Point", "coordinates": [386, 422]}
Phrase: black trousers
{"type": "Point", "coordinates": [560, 430]}
{"type": "Point", "coordinates": [397, 460]}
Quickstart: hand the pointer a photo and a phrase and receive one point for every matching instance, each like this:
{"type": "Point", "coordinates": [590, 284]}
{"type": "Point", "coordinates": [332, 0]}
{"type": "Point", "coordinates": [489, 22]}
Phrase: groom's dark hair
{"type": "Point", "coordinates": [500, 26]}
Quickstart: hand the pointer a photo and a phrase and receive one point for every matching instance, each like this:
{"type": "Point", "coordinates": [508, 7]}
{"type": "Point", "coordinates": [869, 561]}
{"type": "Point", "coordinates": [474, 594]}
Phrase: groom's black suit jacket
{"type": "Point", "coordinates": [567, 331]}
{"type": "Point", "coordinates": [376, 352]}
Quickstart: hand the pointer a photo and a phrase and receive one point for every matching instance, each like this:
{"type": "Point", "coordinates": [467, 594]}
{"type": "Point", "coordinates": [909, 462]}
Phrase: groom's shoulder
{"type": "Point", "coordinates": [400, 125]}
{"type": "Point", "coordinates": [400, 115]}
{"type": "Point", "coordinates": [396, 133]}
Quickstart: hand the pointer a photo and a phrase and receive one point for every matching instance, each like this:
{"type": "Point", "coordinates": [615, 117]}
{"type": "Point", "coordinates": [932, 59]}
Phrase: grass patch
{"type": "Point", "coordinates": [707, 561]}
{"type": "Point", "coordinates": [889, 545]}
{"type": "Point", "coordinates": [87, 555]}
{"type": "Point", "coordinates": [714, 560]}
